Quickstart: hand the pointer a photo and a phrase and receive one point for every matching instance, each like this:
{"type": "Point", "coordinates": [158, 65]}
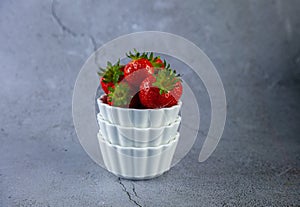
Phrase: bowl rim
{"type": "Point", "coordinates": [99, 101]}
{"type": "Point", "coordinates": [170, 143]}
{"type": "Point", "coordinates": [172, 124]}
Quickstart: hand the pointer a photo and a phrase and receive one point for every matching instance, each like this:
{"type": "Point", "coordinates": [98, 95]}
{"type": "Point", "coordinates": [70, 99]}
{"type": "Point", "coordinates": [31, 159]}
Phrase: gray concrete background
{"type": "Point", "coordinates": [255, 46]}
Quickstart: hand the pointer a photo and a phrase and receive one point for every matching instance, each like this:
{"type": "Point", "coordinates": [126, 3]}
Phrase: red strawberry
{"type": "Point", "coordinates": [103, 98]}
{"type": "Point", "coordinates": [111, 75]}
{"type": "Point", "coordinates": [135, 102]}
{"type": "Point", "coordinates": [138, 68]}
{"type": "Point", "coordinates": [106, 85]}
{"type": "Point", "coordinates": [159, 62]}
{"type": "Point", "coordinates": [156, 61]}
{"type": "Point", "coordinates": [123, 95]}
{"type": "Point", "coordinates": [170, 98]}
{"type": "Point", "coordinates": [120, 95]}
{"type": "Point", "coordinates": [163, 89]}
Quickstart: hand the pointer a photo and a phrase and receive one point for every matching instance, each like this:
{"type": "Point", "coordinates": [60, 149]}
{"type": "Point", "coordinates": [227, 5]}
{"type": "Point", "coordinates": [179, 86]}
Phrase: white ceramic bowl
{"type": "Point", "coordinates": [137, 137]}
{"type": "Point", "coordinates": [138, 163]}
{"type": "Point", "coordinates": [142, 118]}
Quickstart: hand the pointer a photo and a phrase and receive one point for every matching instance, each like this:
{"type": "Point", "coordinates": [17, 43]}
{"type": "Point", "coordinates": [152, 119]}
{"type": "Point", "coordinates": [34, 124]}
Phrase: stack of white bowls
{"type": "Point", "coordinates": [138, 143]}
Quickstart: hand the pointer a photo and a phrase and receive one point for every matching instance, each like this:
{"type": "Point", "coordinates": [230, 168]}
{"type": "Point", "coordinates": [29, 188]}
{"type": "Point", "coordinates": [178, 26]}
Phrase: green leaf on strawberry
{"type": "Point", "coordinates": [120, 95]}
{"type": "Point", "coordinates": [111, 75]}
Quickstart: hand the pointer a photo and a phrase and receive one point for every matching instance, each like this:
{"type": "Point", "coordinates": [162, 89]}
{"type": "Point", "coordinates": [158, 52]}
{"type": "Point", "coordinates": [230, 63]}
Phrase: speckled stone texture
{"type": "Point", "coordinates": [255, 45]}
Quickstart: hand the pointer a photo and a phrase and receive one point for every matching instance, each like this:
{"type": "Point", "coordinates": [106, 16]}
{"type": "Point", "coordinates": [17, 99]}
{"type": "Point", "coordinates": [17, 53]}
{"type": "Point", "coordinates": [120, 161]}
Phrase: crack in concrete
{"type": "Point", "coordinates": [63, 27]}
{"type": "Point", "coordinates": [68, 30]}
{"type": "Point", "coordinates": [133, 190]}
{"type": "Point", "coordinates": [94, 43]}
{"type": "Point", "coordinates": [128, 194]}
{"type": "Point", "coordinates": [284, 172]}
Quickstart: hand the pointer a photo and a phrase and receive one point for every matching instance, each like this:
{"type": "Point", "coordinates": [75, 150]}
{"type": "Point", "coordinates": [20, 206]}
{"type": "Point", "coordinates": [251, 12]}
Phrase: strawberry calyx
{"type": "Point", "coordinates": [166, 80]}
{"type": "Point", "coordinates": [154, 60]}
{"type": "Point", "coordinates": [137, 55]}
{"type": "Point", "coordinates": [120, 95]}
{"type": "Point", "coordinates": [112, 73]}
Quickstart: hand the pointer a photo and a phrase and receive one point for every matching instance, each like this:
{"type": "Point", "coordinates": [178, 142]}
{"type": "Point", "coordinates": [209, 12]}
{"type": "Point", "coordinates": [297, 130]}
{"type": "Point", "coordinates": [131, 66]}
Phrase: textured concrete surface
{"type": "Point", "coordinates": [255, 46]}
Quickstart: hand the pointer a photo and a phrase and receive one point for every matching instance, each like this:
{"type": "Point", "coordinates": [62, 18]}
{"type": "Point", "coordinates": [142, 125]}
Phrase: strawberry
{"type": "Point", "coordinates": [106, 85]}
{"type": "Point", "coordinates": [156, 61]}
{"type": "Point", "coordinates": [138, 68]}
{"type": "Point", "coordinates": [123, 95]}
{"type": "Point", "coordinates": [111, 75]}
{"type": "Point", "coordinates": [162, 89]}
{"type": "Point", "coordinates": [120, 95]}
{"type": "Point", "coordinates": [135, 102]}
{"type": "Point", "coordinates": [104, 98]}
{"type": "Point", "coordinates": [145, 82]}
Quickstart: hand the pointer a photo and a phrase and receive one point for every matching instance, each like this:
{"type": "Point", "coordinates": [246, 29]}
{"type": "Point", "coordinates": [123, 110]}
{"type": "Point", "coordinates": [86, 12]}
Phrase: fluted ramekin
{"type": "Point", "coordinates": [137, 137]}
{"type": "Point", "coordinates": [142, 118]}
{"type": "Point", "coordinates": [138, 163]}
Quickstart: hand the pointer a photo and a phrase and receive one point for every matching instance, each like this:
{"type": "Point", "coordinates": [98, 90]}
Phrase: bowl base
{"type": "Point", "coordinates": [137, 178]}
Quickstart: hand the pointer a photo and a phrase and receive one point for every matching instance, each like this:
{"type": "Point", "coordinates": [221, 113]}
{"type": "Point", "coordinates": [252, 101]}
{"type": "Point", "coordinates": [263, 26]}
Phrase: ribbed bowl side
{"type": "Point", "coordinates": [137, 137]}
{"type": "Point", "coordinates": [141, 118]}
{"type": "Point", "coordinates": [135, 167]}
